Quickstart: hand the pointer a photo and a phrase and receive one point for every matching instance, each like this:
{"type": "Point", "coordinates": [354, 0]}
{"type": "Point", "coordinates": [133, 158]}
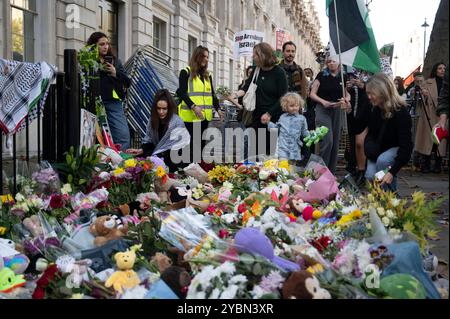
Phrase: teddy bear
{"type": "Point", "coordinates": [162, 262]}
{"type": "Point", "coordinates": [125, 277]}
{"type": "Point", "coordinates": [107, 228]}
{"type": "Point", "coordinates": [178, 279]}
{"type": "Point", "coordinates": [303, 285]}
{"type": "Point", "coordinates": [33, 225]}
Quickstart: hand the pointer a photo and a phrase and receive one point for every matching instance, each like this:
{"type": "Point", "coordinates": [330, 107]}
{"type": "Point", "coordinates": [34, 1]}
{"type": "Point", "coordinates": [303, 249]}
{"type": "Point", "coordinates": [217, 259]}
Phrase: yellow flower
{"type": "Point", "coordinates": [130, 163]}
{"type": "Point", "coordinates": [356, 214]}
{"type": "Point", "coordinates": [118, 171]}
{"type": "Point", "coordinates": [7, 199]}
{"type": "Point", "coordinates": [271, 164]}
{"type": "Point", "coordinates": [77, 296]}
{"type": "Point", "coordinates": [160, 172]}
{"type": "Point", "coordinates": [3, 231]}
{"type": "Point", "coordinates": [256, 209]}
{"type": "Point", "coordinates": [418, 198]}
{"type": "Point", "coordinates": [317, 214]}
{"type": "Point", "coordinates": [317, 268]}
{"type": "Point", "coordinates": [284, 164]}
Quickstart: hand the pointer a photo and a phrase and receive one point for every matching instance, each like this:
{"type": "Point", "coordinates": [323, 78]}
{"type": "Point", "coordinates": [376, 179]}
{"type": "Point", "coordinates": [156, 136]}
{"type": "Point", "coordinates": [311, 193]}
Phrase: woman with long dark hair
{"type": "Point", "coordinates": [198, 98]}
{"type": "Point", "coordinates": [426, 110]}
{"type": "Point", "coordinates": [165, 132]}
{"type": "Point", "coordinates": [113, 83]}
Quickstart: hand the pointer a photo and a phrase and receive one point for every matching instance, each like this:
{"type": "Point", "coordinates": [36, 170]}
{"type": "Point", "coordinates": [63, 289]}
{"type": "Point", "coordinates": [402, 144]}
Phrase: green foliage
{"type": "Point", "coordinates": [78, 169]}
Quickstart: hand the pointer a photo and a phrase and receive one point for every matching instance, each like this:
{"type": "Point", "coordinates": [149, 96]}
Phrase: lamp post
{"type": "Point", "coordinates": [396, 59]}
{"type": "Point", "coordinates": [425, 25]}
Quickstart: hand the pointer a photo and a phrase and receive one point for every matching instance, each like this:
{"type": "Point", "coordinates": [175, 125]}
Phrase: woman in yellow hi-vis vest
{"type": "Point", "coordinates": [196, 93]}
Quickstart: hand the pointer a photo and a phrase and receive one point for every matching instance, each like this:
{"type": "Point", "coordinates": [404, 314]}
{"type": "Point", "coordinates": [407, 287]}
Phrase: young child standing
{"type": "Point", "coordinates": [293, 127]}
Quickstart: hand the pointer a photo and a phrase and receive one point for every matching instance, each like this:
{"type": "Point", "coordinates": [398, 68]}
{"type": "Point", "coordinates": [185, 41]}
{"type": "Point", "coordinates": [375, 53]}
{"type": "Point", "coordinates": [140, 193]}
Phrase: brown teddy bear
{"type": "Point", "coordinates": [107, 228]}
{"type": "Point", "coordinates": [303, 285]}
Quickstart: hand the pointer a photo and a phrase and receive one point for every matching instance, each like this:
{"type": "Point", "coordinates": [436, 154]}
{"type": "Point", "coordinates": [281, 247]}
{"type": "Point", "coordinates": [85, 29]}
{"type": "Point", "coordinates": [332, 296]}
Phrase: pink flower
{"type": "Point", "coordinates": [223, 233]}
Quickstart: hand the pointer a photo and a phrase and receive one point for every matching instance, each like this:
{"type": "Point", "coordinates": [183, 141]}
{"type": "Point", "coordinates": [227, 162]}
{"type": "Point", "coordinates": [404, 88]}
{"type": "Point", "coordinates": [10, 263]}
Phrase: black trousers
{"type": "Point", "coordinates": [197, 143]}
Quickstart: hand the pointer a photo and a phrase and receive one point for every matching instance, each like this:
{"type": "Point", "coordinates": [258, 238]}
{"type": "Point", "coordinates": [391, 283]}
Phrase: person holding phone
{"type": "Point", "coordinates": [326, 91]}
{"type": "Point", "coordinates": [113, 83]}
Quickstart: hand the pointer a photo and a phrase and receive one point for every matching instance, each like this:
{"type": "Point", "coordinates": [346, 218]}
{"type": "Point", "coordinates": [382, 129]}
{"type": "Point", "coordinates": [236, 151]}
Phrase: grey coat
{"type": "Point", "coordinates": [293, 128]}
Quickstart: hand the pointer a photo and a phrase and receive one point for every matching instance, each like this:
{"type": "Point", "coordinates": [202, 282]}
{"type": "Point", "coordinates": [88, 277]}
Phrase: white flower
{"type": "Point", "coordinates": [381, 211]}
{"type": "Point", "coordinates": [369, 226]}
{"type": "Point", "coordinates": [67, 189]}
{"type": "Point", "coordinates": [390, 214]}
{"type": "Point", "coordinates": [215, 294]}
{"type": "Point", "coordinates": [257, 292]}
{"type": "Point", "coordinates": [395, 202]}
{"type": "Point", "coordinates": [228, 218]}
{"type": "Point", "coordinates": [386, 221]}
{"type": "Point", "coordinates": [230, 292]}
{"type": "Point", "coordinates": [20, 197]}
{"type": "Point", "coordinates": [263, 175]}
{"type": "Point", "coordinates": [135, 293]}
{"type": "Point", "coordinates": [227, 268]}
{"type": "Point", "coordinates": [239, 279]}
{"type": "Point", "coordinates": [228, 186]}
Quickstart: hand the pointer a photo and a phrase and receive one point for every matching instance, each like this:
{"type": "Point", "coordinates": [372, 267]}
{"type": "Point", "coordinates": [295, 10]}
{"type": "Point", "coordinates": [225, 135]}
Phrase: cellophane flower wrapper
{"type": "Point", "coordinates": [185, 229]}
{"type": "Point", "coordinates": [195, 171]}
{"type": "Point", "coordinates": [47, 179]}
{"type": "Point", "coordinates": [322, 188]}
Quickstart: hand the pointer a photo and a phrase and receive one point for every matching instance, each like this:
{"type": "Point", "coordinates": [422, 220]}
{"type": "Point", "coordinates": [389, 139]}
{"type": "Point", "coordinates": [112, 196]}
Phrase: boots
{"type": "Point", "coordinates": [425, 163]}
{"type": "Point", "coordinates": [360, 178]}
{"type": "Point", "coordinates": [437, 166]}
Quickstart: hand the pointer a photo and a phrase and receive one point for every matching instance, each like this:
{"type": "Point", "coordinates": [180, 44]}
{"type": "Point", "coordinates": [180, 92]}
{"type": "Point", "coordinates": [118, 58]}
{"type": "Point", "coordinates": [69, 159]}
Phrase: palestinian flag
{"type": "Point", "coordinates": [358, 45]}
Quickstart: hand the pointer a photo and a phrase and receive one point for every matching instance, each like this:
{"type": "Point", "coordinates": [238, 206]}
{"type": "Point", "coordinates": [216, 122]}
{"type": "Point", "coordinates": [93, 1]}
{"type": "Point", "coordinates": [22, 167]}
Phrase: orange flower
{"type": "Point", "coordinates": [256, 208]}
{"type": "Point", "coordinates": [147, 167]}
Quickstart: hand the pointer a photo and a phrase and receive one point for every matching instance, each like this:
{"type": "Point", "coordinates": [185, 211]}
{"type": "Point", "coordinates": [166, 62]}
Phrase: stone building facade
{"type": "Point", "coordinates": [36, 30]}
{"type": "Point", "coordinates": [174, 26]}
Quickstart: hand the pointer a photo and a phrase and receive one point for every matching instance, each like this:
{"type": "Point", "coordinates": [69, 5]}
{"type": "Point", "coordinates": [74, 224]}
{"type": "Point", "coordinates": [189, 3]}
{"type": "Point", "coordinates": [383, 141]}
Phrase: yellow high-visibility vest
{"type": "Point", "coordinates": [201, 94]}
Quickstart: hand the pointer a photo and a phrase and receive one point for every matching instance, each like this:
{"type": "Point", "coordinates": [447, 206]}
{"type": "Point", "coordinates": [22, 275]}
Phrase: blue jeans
{"type": "Point", "coordinates": [385, 160]}
{"type": "Point", "coordinates": [118, 124]}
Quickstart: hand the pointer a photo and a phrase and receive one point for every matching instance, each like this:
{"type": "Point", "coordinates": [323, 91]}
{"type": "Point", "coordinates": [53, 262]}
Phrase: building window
{"type": "Point", "coordinates": [192, 42]}
{"type": "Point", "coordinates": [107, 20]}
{"type": "Point", "coordinates": [159, 34]}
{"type": "Point", "coordinates": [193, 5]}
{"type": "Point", "coordinates": [23, 13]}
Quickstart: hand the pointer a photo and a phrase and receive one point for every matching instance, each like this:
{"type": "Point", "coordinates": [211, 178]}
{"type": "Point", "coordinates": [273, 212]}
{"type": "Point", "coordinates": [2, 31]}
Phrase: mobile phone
{"type": "Point", "coordinates": [109, 59]}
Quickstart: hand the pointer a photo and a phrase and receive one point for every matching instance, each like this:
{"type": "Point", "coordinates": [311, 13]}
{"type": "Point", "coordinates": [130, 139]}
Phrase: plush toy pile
{"type": "Point", "coordinates": [132, 230]}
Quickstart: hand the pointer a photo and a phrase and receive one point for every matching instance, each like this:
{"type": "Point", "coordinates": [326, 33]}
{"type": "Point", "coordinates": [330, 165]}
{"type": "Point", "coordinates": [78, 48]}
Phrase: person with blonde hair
{"type": "Point", "coordinates": [272, 85]}
{"type": "Point", "coordinates": [388, 145]}
{"type": "Point", "coordinates": [292, 126]}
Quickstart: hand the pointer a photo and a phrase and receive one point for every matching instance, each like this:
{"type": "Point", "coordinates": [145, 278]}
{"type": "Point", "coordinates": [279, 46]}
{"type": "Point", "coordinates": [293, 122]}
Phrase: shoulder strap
{"type": "Point", "coordinates": [255, 76]}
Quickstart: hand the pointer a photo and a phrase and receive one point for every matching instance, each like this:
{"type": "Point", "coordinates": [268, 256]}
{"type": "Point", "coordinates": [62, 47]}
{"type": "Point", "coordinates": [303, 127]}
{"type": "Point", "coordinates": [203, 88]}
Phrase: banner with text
{"type": "Point", "coordinates": [245, 41]}
{"type": "Point", "coordinates": [283, 36]}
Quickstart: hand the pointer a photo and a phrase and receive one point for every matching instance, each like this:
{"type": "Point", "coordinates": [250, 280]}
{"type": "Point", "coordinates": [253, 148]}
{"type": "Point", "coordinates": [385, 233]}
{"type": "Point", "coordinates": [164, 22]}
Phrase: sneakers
{"type": "Point", "coordinates": [430, 264]}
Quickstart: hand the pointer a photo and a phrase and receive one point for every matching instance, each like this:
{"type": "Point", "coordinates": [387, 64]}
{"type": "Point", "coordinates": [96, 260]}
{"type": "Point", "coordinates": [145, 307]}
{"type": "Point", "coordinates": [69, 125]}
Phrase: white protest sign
{"type": "Point", "coordinates": [245, 41]}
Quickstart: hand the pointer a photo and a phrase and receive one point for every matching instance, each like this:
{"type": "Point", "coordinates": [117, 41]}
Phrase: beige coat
{"type": "Point", "coordinates": [424, 138]}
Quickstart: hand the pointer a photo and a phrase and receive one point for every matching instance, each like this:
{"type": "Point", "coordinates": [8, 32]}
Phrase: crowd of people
{"type": "Point", "coordinates": [378, 112]}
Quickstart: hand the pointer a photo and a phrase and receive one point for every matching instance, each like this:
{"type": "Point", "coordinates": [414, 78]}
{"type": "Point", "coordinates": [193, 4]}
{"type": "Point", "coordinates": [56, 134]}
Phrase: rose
{"type": "Point", "coordinates": [242, 208]}
{"type": "Point", "coordinates": [39, 293]}
{"type": "Point", "coordinates": [57, 201]}
{"type": "Point", "coordinates": [223, 233]}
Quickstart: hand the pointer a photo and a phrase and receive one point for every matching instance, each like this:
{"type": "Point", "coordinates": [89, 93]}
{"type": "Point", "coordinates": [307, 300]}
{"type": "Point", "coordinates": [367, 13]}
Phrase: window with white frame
{"type": "Point", "coordinates": [159, 34]}
{"type": "Point", "coordinates": [192, 44]}
{"type": "Point", "coordinates": [23, 13]}
{"type": "Point", "coordinates": [231, 79]}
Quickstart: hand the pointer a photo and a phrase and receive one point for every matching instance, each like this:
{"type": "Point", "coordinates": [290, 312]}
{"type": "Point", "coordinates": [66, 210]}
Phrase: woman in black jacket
{"type": "Point", "coordinates": [388, 145]}
{"type": "Point", "coordinates": [113, 82]}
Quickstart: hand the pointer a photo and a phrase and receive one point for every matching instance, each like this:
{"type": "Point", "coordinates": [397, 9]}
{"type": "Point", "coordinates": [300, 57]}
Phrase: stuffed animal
{"type": "Point", "coordinates": [402, 286]}
{"type": "Point", "coordinates": [303, 285]}
{"type": "Point", "coordinates": [184, 193]}
{"type": "Point", "coordinates": [314, 137]}
{"type": "Point", "coordinates": [132, 208]}
{"type": "Point", "coordinates": [162, 262]}
{"type": "Point", "coordinates": [125, 277]}
{"type": "Point", "coordinates": [11, 258]}
{"type": "Point", "coordinates": [107, 228]}
{"type": "Point", "coordinates": [9, 280]}
{"type": "Point", "coordinates": [33, 225]}
{"type": "Point", "coordinates": [78, 269]}
{"type": "Point", "coordinates": [178, 279]}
